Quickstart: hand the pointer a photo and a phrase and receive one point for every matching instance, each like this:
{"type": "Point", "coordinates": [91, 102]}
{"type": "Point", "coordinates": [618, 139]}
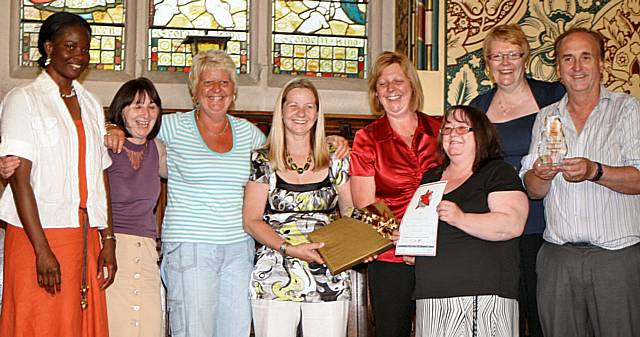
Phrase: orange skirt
{"type": "Point", "coordinates": [28, 310]}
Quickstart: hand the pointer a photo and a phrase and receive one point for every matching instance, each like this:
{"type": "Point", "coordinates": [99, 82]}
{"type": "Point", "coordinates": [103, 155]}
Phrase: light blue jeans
{"type": "Point", "coordinates": [208, 288]}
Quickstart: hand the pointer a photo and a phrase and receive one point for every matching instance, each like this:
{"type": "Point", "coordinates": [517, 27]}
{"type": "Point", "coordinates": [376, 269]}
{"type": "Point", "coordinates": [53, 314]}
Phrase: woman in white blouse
{"type": "Point", "coordinates": [56, 270]}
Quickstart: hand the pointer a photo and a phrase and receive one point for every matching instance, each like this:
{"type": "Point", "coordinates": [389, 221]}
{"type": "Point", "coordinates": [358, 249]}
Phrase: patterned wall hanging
{"type": "Point", "coordinates": [468, 21]}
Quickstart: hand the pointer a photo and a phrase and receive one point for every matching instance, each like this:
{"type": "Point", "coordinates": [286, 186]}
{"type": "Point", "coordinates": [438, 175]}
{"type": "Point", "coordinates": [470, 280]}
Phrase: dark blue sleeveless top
{"type": "Point", "coordinates": [515, 136]}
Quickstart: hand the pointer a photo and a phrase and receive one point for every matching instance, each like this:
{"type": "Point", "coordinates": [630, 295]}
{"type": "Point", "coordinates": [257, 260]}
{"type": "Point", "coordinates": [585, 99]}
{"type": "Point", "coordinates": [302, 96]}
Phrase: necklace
{"type": "Point", "coordinates": [403, 132]}
{"type": "Point", "coordinates": [295, 166]}
{"type": "Point", "coordinates": [215, 134]}
{"type": "Point", "coordinates": [504, 109]}
{"type": "Point", "coordinates": [135, 157]}
{"type": "Point", "coordinates": [72, 94]}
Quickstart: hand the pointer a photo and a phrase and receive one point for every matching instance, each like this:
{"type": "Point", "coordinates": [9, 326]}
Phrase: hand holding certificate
{"type": "Point", "coordinates": [419, 227]}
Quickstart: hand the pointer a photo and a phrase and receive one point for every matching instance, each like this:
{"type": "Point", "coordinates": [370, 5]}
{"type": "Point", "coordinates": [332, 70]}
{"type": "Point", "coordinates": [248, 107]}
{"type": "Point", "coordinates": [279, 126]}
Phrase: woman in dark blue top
{"type": "Point", "coordinates": [512, 105]}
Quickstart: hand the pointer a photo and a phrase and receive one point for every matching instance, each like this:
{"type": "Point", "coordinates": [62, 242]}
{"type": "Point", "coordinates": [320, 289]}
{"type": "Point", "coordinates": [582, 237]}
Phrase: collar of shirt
{"type": "Point", "coordinates": [382, 130]}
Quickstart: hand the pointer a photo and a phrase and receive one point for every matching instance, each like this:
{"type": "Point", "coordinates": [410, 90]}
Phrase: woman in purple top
{"type": "Point", "coordinates": [133, 301]}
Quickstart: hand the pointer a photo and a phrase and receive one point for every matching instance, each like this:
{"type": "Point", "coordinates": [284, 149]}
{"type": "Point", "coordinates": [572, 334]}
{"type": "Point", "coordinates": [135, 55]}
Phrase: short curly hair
{"type": "Point", "coordinates": [211, 59]}
{"type": "Point", "coordinates": [511, 33]}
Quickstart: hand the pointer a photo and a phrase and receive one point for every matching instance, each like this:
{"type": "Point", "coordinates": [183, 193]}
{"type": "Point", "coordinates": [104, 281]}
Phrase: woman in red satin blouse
{"type": "Point", "coordinates": [388, 159]}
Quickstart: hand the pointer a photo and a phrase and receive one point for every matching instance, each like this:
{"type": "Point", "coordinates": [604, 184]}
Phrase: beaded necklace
{"type": "Point", "coordinates": [72, 94]}
{"type": "Point", "coordinates": [294, 166]}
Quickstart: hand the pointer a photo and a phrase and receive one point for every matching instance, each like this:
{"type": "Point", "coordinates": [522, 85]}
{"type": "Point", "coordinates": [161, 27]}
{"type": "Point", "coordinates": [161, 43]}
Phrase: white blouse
{"type": "Point", "coordinates": [36, 125]}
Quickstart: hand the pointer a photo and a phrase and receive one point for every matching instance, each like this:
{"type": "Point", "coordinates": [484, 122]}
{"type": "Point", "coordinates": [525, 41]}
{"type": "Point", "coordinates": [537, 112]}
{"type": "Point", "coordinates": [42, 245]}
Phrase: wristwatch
{"type": "Point", "coordinates": [598, 173]}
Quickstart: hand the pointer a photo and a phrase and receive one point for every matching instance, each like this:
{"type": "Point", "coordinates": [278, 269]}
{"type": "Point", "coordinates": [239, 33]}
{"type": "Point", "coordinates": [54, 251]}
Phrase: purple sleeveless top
{"type": "Point", "coordinates": [134, 193]}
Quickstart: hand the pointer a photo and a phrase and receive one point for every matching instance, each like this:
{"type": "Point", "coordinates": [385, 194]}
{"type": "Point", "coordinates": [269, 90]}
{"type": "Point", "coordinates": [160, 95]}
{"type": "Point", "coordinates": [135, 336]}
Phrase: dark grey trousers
{"type": "Point", "coordinates": [586, 291]}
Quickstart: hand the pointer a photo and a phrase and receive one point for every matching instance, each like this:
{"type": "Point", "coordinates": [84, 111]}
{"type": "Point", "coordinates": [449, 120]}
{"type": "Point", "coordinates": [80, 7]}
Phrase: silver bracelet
{"type": "Point", "coordinates": [108, 237]}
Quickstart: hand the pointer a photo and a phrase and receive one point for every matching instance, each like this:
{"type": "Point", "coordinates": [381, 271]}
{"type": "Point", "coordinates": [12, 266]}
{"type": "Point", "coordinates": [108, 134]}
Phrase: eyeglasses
{"type": "Point", "coordinates": [511, 56]}
{"type": "Point", "coordinates": [460, 130]}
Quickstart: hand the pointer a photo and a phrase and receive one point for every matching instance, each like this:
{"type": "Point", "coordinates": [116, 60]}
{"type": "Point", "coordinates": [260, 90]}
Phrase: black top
{"type": "Point", "coordinates": [465, 265]}
{"type": "Point", "coordinates": [515, 137]}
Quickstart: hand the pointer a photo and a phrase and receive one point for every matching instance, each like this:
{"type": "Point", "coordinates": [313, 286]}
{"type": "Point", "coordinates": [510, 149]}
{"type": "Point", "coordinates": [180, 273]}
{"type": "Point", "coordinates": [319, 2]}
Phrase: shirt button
{"type": "Point", "coordinates": [136, 308]}
{"type": "Point", "coordinates": [138, 244]}
{"type": "Point", "coordinates": [136, 276]}
{"type": "Point", "coordinates": [136, 291]}
{"type": "Point", "coordinates": [135, 323]}
{"type": "Point", "coordinates": [137, 260]}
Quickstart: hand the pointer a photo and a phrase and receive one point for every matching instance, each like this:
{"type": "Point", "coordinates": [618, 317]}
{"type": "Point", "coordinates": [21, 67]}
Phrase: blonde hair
{"type": "Point", "coordinates": [207, 60]}
{"type": "Point", "coordinates": [386, 59]}
{"type": "Point", "coordinates": [276, 143]}
{"type": "Point", "coordinates": [511, 33]}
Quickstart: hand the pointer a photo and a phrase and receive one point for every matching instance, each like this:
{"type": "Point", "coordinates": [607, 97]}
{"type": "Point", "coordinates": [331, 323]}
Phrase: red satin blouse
{"type": "Point", "coordinates": [379, 152]}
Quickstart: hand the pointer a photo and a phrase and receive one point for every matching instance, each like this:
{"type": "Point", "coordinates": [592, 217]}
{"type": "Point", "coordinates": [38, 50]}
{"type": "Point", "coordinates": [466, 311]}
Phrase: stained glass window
{"type": "Point", "coordinates": [107, 20]}
{"type": "Point", "coordinates": [172, 21]}
{"type": "Point", "coordinates": [320, 38]}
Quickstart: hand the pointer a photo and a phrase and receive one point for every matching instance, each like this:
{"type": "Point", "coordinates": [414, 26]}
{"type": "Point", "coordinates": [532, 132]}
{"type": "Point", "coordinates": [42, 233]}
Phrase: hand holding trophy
{"type": "Point", "coordinates": [552, 147]}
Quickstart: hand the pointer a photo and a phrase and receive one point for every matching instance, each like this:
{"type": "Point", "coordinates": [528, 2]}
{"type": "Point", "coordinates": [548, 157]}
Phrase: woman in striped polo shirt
{"type": "Point", "coordinates": [207, 256]}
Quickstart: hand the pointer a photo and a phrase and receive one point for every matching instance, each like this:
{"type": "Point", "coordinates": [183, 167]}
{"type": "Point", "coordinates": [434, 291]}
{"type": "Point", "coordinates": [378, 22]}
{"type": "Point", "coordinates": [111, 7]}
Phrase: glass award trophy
{"type": "Point", "coordinates": [552, 147]}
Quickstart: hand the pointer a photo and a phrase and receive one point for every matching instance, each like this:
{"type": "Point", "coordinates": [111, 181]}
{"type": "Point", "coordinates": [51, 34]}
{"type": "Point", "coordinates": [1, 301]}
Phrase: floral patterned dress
{"type": "Point", "coordinates": [293, 211]}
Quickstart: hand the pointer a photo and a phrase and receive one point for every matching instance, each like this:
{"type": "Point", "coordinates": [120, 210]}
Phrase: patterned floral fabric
{"type": "Point", "coordinates": [293, 211]}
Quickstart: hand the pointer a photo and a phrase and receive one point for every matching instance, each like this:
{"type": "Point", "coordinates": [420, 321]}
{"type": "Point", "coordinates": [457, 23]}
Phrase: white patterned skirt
{"type": "Point", "coordinates": [467, 316]}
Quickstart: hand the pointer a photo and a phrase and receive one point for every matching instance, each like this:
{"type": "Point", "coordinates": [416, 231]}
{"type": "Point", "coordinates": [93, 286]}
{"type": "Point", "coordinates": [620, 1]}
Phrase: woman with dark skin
{"type": "Point", "coordinates": [57, 200]}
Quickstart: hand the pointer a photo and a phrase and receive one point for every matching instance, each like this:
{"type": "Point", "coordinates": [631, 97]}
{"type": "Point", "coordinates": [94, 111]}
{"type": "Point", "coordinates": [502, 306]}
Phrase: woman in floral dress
{"type": "Point", "coordinates": [295, 187]}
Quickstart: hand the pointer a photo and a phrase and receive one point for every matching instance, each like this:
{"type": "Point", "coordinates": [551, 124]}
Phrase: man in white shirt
{"type": "Point", "coordinates": [589, 267]}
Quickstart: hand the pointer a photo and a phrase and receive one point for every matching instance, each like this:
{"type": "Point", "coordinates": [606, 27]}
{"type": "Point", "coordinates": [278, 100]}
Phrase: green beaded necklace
{"type": "Point", "coordinates": [295, 166]}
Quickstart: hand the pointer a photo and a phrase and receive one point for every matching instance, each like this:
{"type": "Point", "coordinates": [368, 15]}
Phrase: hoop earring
{"type": "Point", "coordinates": [47, 61]}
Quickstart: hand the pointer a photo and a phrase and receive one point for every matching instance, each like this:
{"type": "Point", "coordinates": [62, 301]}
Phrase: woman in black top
{"type": "Point", "coordinates": [470, 287]}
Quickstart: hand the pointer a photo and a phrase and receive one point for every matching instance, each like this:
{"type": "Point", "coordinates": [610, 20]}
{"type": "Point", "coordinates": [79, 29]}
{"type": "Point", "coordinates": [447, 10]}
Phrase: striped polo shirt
{"type": "Point", "coordinates": [205, 188]}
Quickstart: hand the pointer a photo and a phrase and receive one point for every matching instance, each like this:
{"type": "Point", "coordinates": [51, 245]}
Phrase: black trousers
{"type": "Point", "coordinates": [528, 305]}
{"type": "Point", "coordinates": [391, 287]}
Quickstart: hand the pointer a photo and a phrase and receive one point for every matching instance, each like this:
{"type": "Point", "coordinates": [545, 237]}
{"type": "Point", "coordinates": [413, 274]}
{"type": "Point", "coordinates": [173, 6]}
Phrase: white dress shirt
{"type": "Point", "coordinates": [36, 125]}
{"type": "Point", "coordinates": [587, 211]}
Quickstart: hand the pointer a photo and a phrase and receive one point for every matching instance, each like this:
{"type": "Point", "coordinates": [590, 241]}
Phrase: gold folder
{"type": "Point", "coordinates": [348, 242]}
